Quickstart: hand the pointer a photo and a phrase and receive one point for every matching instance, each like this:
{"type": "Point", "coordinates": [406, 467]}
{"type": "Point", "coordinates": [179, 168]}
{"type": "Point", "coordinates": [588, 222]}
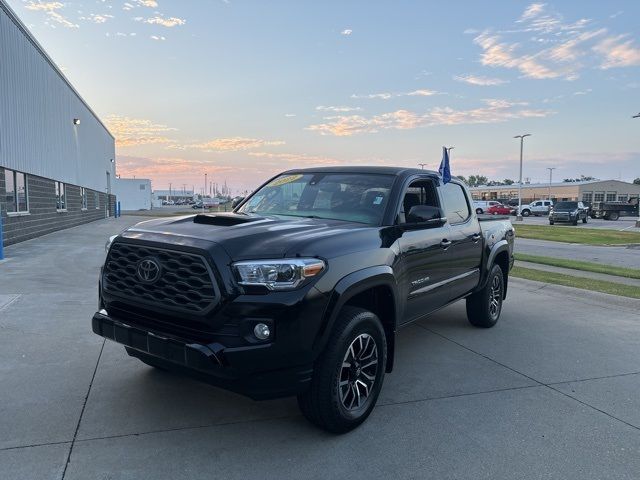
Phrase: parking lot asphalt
{"type": "Point", "coordinates": [626, 224]}
{"type": "Point", "coordinates": [624, 256]}
{"type": "Point", "coordinates": [551, 392]}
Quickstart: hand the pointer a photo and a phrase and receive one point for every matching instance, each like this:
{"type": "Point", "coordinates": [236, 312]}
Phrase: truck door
{"type": "Point", "coordinates": [423, 254]}
{"type": "Point", "coordinates": [465, 251]}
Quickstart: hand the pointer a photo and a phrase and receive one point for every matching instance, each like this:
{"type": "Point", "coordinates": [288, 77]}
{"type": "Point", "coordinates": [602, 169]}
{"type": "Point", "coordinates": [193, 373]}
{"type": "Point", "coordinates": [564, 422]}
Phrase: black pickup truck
{"type": "Point", "coordinates": [301, 290]}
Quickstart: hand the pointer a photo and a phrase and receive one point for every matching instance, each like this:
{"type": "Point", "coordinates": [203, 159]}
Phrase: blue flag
{"type": "Point", "coordinates": [445, 170]}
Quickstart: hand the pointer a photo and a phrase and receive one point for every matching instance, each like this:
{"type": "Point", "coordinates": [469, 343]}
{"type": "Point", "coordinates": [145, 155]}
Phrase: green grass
{"type": "Point", "coordinates": [577, 282]}
{"type": "Point", "coordinates": [580, 265]}
{"type": "Point", "coordinates": [585, 235]}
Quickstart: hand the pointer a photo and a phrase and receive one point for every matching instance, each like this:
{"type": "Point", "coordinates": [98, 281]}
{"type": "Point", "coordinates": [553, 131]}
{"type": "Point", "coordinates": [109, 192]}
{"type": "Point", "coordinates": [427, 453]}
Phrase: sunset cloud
{"type": "Point", "coordinates": [618, 51]}
{"type": "Point", "coordinates": [387, 95]}
{"type": "Point", "coordinates": [168, 22]}
{"type": "Point", "coordinates": [554, 48]}
{"type": "Point", "coordinates": [322, 108]}
{"type": "Point", "coordinates": [50, 9]}
{"type": "Point", "coordinates": [233, 144]}
{"type": "Point", "coordinates": [480, 80]}
{"type": "Point", "coordinates": [493, 111]}
{"type": "Point", "coordinates": [131, 132]}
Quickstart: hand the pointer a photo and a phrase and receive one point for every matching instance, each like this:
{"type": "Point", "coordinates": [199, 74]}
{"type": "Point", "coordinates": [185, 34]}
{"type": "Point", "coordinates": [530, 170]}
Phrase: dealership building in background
{"type": "Point", "coordinates": [133, 193]}
{"type": "Point", "coordinates": [586, 191]}
{"type": "Point", "coordinates": [57, 159]}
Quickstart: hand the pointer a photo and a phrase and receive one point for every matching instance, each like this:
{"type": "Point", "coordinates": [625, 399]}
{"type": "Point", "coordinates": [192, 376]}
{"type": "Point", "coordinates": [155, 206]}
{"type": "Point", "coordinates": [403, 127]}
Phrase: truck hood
{"type": "Point", "coordinates": [248, 237]}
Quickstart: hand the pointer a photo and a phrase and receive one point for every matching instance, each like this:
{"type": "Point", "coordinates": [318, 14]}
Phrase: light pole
{"type": "Point", "coordinates": [422, 165]}
{"type": "Point", "coordinates": [551, 169]}
{"type": "Point", "coordinates": [638, 198]}
{"type": "Point", "coordinates": [204, 191]}
{"type": "Point", "coordinates": [521, 137]}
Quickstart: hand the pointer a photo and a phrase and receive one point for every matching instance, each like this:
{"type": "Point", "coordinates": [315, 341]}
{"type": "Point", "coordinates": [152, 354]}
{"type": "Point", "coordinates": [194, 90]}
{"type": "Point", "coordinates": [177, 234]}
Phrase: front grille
{"type": "Point", "coordinates": [184, 282]}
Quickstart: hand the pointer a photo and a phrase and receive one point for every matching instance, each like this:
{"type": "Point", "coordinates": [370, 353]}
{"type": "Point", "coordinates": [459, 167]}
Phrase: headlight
{"type": "Point", "coordinates": [107, 245]}
{"type": "Point", "coordinates": [285, 274]}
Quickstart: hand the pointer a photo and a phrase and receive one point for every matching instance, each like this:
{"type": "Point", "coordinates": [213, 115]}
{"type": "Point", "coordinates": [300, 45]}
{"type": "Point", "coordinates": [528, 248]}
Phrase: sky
{"type": "Point", "coordinates": [243, 89]}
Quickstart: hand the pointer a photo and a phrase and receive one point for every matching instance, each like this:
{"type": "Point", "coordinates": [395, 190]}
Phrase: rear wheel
{"type": "Point", "coordinates": [484, 307]}
{"type": "Point", "coordinates": [614, 216]}
{"type": "Point", "coordinates": [584, 220]}
{"type": "Point", "coordinates": [550, 222]}
{"type": "Point", "coordinates": [575, 222]}
{"type": "Point", "coordinates": [348, 375]}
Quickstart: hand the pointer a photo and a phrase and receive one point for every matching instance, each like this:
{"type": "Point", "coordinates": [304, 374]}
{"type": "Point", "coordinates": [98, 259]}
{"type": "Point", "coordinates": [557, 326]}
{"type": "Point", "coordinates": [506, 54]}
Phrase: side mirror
{"type": "Point", "coordinates": [236, 202]}
{"type": "Point", "coordinates": [425, 216]}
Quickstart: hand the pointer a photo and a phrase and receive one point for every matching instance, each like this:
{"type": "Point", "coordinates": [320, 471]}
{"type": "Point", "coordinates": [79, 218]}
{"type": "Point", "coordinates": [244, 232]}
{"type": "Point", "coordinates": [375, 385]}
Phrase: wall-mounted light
{"type": "Point", "coordinates": [76, 121]}
{"type": "Point", "coordinates": [111, 160]}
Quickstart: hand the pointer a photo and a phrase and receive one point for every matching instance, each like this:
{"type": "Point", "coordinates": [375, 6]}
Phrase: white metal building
{"type": "Point", "coordinates": [57, 159]}
{"type": "Point", "coordinates": [133, 193]}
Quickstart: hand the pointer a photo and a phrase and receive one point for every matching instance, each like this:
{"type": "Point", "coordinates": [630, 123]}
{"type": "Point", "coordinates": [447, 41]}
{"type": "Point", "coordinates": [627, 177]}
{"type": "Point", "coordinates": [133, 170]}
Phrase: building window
{"type": "Point", "coordinates": [83, 197]}
{"type": "Point", "coordinates": [587, 197]}
{"type": "Point", "coordinates": [611, 197]}
{"type": "Point", "coordinates": [143, 187]}
{"type": "Point", "coordinates": [598, 197]}
{"type": "Point", "coordinates": [61, 198]}
{"type": "Point", "coordinates": [623, 198]}
{"type": "Point", "coordinates": [96, 197]}
{"type": "Point", "coordinates": [16, 192]}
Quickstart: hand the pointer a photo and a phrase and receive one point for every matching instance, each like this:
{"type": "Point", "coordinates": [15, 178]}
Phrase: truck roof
{"type": "Point", "coordinates": [363, 169]}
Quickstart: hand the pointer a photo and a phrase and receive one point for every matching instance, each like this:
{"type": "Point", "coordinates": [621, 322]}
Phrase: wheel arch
{"type": "Point", "coordinates": [374, 289]}
{"type": "Point", "coordinates": [500, 255]}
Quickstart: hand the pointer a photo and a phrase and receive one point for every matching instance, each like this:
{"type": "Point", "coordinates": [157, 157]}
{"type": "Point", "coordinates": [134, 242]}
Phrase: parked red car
{"type": "Point", "coordinates": [499, 210]}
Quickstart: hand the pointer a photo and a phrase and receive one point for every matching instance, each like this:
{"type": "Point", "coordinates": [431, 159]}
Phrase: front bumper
{"type": "Point", "coordinates": [229, 368]}
{"type": "Point", "coordinates": [563, 218]}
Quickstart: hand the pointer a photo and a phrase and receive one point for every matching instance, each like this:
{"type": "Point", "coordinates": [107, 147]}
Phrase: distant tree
{"type": "Point", "coordinates": [463, 179]}
{"type": "Point", "coordinates": [583, 178]}
{"type": "Point", "coordinates": [508, 181]}
{"type": "Point", "coordinates": [476, 180]}
{"type": "Point", "coordinates": [637, 181]}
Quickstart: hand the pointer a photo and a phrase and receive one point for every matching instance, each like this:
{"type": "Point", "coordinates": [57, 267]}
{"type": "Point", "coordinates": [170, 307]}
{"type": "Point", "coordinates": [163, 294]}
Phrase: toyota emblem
{"type": "Point", "coordinates": [148, 270]}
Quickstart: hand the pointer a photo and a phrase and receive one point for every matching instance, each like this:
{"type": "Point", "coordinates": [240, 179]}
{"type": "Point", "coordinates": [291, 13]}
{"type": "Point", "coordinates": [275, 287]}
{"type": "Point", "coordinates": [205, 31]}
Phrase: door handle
{"type": "Point", "coordinates": [445, 243]}
{"type": "Point", "coordinates": [476, 237]}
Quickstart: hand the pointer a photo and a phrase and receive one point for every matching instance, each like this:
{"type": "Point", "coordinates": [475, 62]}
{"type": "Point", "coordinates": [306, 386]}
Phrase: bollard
{"type": "Point", "coordinates": [1, 238]}
{"type": "Point", "coordinates": [118, 211]}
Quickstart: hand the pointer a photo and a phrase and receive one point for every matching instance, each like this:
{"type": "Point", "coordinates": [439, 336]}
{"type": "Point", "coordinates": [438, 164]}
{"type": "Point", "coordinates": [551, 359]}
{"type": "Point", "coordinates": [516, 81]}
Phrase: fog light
{"type": "Point", "coordinates": [261, 331]}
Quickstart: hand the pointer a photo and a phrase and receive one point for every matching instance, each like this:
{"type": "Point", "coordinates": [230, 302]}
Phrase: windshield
{"type": "Point", "coordinates": [353, 197]}
{"type": "Point", "coordinates": [566, 206]}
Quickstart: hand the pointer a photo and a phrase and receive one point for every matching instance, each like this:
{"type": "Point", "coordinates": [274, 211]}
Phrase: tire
{"type": "Point", "coordinates": [146, 359]}
{"type": "Point", "coordinates": [550, 222]}
{"type": "Point", "coordinates": [478, 211]}
{"type": "Point", "coordinates": [584, 220]}
{"type": "Point", "coordinates": [484, 307]}
{"type": "Point", "coordinates": [334, 400]}
{"type": "Point", "coordinates": [613, 216]}
{"type": "Point", "coordinates": [575, 222]}
{"type": "Point", "coordinates": [526, 213]}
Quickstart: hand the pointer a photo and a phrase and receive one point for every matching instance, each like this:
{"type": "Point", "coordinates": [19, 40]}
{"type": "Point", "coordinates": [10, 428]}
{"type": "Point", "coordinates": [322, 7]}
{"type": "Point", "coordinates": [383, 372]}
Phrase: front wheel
{"type": "Point", "coordinates": [550, 222]}
{"type": "Point", "coordinates": [584, 220]}
{"type": "Point", "coordinates": [478, 211]}
{"type": "Point", "coordinates": [484, 307]}
{"type": "Point", "coordinates": [348, 375]}
{"type": "Point", "coordinates": [526, 213]}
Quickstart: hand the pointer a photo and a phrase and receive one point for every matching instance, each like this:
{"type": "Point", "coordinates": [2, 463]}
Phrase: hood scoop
{"type": "Point", "coordinates": [223, 220]}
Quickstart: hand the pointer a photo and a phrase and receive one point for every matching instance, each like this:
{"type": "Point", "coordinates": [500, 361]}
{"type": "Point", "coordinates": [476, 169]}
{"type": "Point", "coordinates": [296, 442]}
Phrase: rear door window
{"type": "Point", "coordinates": [456, 207]}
